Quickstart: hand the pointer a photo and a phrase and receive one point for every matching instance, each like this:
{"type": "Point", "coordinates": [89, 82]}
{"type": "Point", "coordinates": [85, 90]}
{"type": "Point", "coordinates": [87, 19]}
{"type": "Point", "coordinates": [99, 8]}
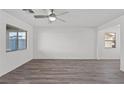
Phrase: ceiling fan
{"type": "Point", "coordinates": [52, 16]}
{"type": "Point", "coordinates": [28, 10]}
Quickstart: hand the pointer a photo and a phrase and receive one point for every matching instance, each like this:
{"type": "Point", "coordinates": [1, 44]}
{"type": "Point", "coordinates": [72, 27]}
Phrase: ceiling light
{"type": "Point", "coordinates": [52, 17]}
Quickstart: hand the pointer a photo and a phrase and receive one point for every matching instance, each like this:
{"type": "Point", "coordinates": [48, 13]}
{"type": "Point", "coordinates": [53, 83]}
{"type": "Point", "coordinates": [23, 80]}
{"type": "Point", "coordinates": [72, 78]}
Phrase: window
{"type": "Point", "coordinates": [22, 40]}
{"type": "Point", "coordinates": [16, 39]}
{"type": "Point", "coordinates": [12, 41]}
{"type": "Point", "coordinates": [110, 40]}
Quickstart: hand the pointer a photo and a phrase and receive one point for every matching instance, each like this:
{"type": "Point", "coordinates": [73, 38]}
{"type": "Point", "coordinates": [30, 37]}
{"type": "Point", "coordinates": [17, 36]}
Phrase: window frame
{"type": "Point", "coordinates": [17, 40]}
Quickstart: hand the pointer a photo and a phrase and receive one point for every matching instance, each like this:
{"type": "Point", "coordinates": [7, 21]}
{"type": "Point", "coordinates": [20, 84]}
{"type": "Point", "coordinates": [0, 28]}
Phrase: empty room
{"type": "Point", "coordinates": [61, 46]}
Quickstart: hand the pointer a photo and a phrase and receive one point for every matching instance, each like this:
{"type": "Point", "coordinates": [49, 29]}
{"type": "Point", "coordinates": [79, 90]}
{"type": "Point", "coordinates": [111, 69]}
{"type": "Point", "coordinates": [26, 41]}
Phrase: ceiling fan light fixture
{"type": "Point", "coordinates": [52, 17]}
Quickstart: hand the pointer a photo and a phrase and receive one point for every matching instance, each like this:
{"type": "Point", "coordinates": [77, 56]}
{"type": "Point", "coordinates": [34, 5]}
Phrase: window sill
{"type": "Point", "coordinates": [16, 50]}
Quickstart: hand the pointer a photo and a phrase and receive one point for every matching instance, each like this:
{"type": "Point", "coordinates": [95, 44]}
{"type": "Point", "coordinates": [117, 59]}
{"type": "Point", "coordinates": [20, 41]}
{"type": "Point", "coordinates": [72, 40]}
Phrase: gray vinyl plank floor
{"type": "Point", "coordinates": [41, 71]}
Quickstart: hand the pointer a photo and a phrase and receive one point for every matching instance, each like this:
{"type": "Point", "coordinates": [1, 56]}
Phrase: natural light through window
{"type": "Point", "coordinates": [110, 40]}
{"type": "Point", "coordinates": [16, 39]}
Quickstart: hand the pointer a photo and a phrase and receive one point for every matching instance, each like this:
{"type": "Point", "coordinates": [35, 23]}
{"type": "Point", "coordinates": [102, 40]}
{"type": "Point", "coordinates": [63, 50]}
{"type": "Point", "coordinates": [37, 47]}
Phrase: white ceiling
{"type": "Point", "coordinates": [75, 17]}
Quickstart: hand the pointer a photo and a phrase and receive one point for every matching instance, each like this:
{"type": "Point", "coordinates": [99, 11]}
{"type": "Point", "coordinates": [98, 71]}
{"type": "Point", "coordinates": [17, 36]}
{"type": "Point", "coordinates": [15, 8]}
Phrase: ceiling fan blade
{"type": "Point", "coordinates": [41, 16]}
{"type": "Point", "coordinates": [61, 19]}
{"type": "Point", "coordinates": [62, 14]}
{"type": "Point", "coordinates": [29, 10]}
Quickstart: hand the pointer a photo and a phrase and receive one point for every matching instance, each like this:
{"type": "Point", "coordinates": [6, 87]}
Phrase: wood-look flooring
{"type": "Point", "coordinates": [66, 72]}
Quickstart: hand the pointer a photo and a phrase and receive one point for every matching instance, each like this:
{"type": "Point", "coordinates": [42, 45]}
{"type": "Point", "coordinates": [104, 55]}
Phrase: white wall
{"type": "Point", "coordinates": [117, 21]}
{"type": "Point", "coordinates": [108, 53]}
{"type": "Point", "coordinates": [64, 43]}
{"type": "Point", "coordinates": [11, 60]}
{"type": "Point", "coordinates": [122, 43]}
